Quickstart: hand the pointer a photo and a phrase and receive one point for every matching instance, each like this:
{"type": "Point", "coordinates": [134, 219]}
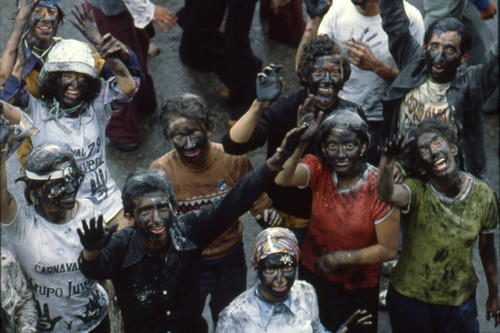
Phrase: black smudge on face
{"type": "Point", "coordinates": [153, 217]}
{"type": "Point", "coordinates": [342, 150]}
{"type": "Point", "coordinates": [277, 275]}
{"type": "Point", "coordinates": [71, 89]}
{"type": "Point", "coordinates": [326, 79]}
{"type": "Point", "coordinates": [190, 140]}
{"type": "Point", "coordinates": [443, 56]}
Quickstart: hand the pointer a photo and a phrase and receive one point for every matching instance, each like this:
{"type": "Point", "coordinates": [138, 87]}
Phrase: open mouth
{"type": "Point", "coordinates": [440, 164]}
{"type": "Point", "coordinates": [73, 94]}
{"type": "Point", "coordinates": [325, 91]}
{"type": "Point", "coordinates": [44, 28]}
{"type": "Point", "coordinates": [437, 70]}
{"type": "Point", "coordinates": [342, 164]}
{"type": "Point", "coordinates": [157, 230]}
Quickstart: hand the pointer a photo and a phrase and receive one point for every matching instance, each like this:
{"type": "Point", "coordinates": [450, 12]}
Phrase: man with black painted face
{"type": "Point", "coordinates": [154, 265]}
{"type": "Point", "coordinates": [44, 239]}
{"type": "Point", "coordinates": [433, 83]}
{"type": "Point", "coordinates": [433, 286]}
{"type": "Point", "coordinates": [322, 70]}
{"type": "Point", "coordinates": [278, 303]}
{"type": "Point", "coordinates": [201, 174]}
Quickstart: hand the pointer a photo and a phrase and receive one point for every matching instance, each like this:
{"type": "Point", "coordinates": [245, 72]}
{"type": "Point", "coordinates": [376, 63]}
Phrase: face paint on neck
{"type": "Point", "coordinates": [190, 140]}
{"type": "Point", "coordinates": [326, 79]}
{"type": "Point", "coordinates": [71, 89]}
{"type": "Point", "coordinates": [276, 276]}
{"type": "Point", "coordinates": [443, 56]}
{"type": "Point", "coordinates": [153, 217]}
{"type": "Point", "coordinates": [343, 151]}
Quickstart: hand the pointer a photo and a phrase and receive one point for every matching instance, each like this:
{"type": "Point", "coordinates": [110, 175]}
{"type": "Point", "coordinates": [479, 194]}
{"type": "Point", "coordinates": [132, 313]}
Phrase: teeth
{"type": "Point", "coordinates": [439, 161]}
{"type": "Point", "coordinates": [326, 90]}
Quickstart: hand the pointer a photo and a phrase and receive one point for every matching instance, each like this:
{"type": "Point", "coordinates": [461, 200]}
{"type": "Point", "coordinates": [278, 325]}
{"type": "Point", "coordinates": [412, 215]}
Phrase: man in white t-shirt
{"type": "Point", "coordinates": [357, 25]}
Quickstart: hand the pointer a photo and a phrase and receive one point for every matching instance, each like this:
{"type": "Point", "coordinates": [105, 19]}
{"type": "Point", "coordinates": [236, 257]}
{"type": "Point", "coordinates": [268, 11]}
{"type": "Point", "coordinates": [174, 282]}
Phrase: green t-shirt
{"type": "Point", "coordinates": [436, 263]}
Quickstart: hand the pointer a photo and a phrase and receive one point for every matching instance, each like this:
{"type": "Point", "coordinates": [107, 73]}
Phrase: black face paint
{"type": "Point", "coordinates": [43, 22]}
{"type": "Point", "coordinates": [343, 152]}
{"type": "Point", "coordinates": [326, 79]}
{"type": "Point", "coordinates": [435, 155]}
{"type": "Point", "coordinates": [153, 217]}
{"type": "Point", "coordinates": [276, 276]}
{"type": "Point", "coordinates": [61, 193]}
{"type": "Point", "coordinates": [443, 56]}
{"type": "Point", "coordinates": [71, 89]}
{"type": "Point", "coordinates": [190, 140]}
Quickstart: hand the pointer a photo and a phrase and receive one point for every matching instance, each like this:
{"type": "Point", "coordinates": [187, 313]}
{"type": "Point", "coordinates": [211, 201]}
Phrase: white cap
{"type": "Point", "coordinates": [71, 55]}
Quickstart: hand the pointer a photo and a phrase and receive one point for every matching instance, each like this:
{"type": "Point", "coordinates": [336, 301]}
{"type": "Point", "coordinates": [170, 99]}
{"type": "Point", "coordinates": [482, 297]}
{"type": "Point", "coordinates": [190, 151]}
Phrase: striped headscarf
{"type": "Point", "coordinates": [275, 240]}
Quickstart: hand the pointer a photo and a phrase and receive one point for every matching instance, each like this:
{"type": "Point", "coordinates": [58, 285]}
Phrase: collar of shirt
{"type": "Point", "coordinates": [266, 309]}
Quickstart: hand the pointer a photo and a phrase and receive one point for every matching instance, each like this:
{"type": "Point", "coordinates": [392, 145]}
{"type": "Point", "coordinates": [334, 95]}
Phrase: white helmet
{"type": "Point", "coordinates": [71, 55]}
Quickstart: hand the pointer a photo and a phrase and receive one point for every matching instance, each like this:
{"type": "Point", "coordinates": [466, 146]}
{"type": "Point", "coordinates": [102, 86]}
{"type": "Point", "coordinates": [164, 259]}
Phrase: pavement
{"type": "Point", "coordinates": [171, 78]}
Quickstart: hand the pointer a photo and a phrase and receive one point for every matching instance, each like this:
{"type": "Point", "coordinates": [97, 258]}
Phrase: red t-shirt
{"type": "Point", "coordinates": [343, 220]}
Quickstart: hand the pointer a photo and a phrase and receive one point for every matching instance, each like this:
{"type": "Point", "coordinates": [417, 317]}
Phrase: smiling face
{"type": "Point", "coordinates": [436, 155]}
{"type": "Point", "coordinates": [276, 276]}
{"type": "Point", "coordinates": [443, 56]}
{"type": "Point", "coordinates": [190, 140]}
{"type": "Point", "coordinates": [152, 218]}
{"type": "Point", "coordinates": [60, 194]}
{"type": "Point", "coordinates": [344, 152]}
{"type": "Point", "coordinates": [326, 79]}
{"type": "Point", "coordinates": [71, 89]}
{"type": "Point", "coordinates": [43, 24]}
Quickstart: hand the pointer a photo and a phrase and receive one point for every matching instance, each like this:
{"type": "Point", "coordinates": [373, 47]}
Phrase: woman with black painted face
{"type": "Point", "coordinates": [351, 231]}
{"type": "Point", "coordinates": [44, 239]}
{"type": "Point", "coordinates": [278, 303]}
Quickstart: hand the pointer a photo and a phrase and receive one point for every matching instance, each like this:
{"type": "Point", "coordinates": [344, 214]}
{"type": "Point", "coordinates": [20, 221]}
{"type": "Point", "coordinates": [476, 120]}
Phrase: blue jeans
{"type": "Point", "coordinates": [410, 315]}
{"type": "Point", "coordinates": [223, 279]}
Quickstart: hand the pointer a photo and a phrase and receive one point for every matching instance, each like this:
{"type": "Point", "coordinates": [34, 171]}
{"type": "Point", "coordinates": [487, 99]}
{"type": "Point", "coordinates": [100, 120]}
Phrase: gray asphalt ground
{"type": "Point", "coordinates": [171, 77]}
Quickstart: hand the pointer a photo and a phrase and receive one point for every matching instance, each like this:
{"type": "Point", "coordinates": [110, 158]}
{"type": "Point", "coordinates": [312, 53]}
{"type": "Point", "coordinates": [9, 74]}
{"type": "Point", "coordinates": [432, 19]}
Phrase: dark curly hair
{"type": "Point", "coordinates": [47, 86]}
{"type": "Point", "coordinates": [428, 126]}
{"type": "Point", "coordinates": [450, 24]}
{"type": "Point", "coordinates": [188, 106]}
{"type": "Point", "coordinates": [42, 160]}
{"type": "Point", "coordinates": [319, 47]}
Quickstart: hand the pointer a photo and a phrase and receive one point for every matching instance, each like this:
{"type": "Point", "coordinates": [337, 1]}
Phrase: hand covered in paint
{"type": "Point", "coordinates": [109, 46]}
{"type": "Point", "coordinates": [278, 5]}
{"type": "Point", "coordinates": [269, 218]}
{"type": "Point", "coordinates": [356, 320]}
{"type": "Point", "coordinates": [489, 12]}
{"type": "Point", "coordinates": [317, 8]}
{"type": "Point", "coordinates": [86, 24]}
{"type": "Point", "coordinates": [360, 54]}
{"type": "Point", "coordinates": [330, 263]}
{"type": "Point", "coordinates": [493, 308]}
{"type": "Point", "coordinates": [164, 18]}
{"type": "Point", "coordinates": [288, 145]}
{"type": "Point", "coordinates": [396, 146]}
{"type": "Point", "coordinates": [269, 84]}
{"type": "Point", "coordinates": [308, 114]}
{"type": "Point", "coordinates": [94, 237]}
{"type": "Point", "coordinates": [26, 7]}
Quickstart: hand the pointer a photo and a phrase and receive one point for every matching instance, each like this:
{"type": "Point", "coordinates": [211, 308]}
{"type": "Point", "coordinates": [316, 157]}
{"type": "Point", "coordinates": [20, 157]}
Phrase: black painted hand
{"type": "Point", "coordinates": [292, 139]}
{"type": "Point", "coordinates": [109, 46]}
{"type": "Point", "coordinates": [269, 84]}
{"type": "Point", "coordinates": [357, 319]}
{"type": "Point", "coordinates": [86, 24]}
{"type": "Point", "coordinates": [45, 322]}
{"type": "Point", "coordinates": [94, 237]}
{"type": "Point", "coordinates": [397, 146]}
{"type": "Point", "coordinates": [317, 8]}
{"type": "Point", "coordinates": [269, 218]}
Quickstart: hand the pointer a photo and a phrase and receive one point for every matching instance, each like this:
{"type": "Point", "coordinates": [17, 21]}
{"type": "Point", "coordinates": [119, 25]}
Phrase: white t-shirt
{"type": "Point", "coordinates": [85, 136]}
{"type": "Point", "coordinates": [343, 22]}
{"type": "Point", "coordinates": [48, 253]}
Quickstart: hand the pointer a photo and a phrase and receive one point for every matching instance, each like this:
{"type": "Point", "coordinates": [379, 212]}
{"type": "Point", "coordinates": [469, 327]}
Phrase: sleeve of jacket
{"type": "Point", "coordinates": [395, 22]}
{"type": "Point", "coordinates": [487, 73]}
{"type": "Point", "coordinates": [204, 225]}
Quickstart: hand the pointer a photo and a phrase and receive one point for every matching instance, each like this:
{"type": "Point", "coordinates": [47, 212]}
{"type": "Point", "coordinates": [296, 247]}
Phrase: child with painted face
{"type": "Point", "coordinates": [351, 231]}
{"type": "Point", "coordinates": [44, 240]}
{"type": "Point", "coordinates": [432, 287]}
{"type": "Point", "coordinates": [202, 173]}
{"type": "Point", "coordinates": [278, 303]}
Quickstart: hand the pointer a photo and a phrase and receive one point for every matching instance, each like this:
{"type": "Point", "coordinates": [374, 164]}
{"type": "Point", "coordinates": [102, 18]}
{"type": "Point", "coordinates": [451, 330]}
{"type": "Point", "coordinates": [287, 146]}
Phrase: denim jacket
{"type": "Point", "coordinates": [469, 89]}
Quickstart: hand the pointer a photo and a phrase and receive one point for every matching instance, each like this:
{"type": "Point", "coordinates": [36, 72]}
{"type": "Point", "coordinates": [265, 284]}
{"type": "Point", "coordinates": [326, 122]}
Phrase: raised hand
{"type": "Point", "coordinates": [269, 84]}
{"type": "Point", "coordinates": [396, 146]}
{"type": "Point", "coordinates": [357, 319]}
{"type": "Point", "coordinates": [360, 54]}
{"type": "Point", "coordinates": [109, 46]}
{"type": "Point", "coordinates": [94, 237]}
{"type": "Point", "coordinates": [269, 218]}
{"type": "Point", "coordinates": [317, 8]}
{"type": "Point", "coordinates": [86, 24]}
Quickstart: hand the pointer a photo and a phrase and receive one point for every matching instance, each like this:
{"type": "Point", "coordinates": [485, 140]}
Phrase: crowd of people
{"type": "Point", "coordinates": [379, 155]}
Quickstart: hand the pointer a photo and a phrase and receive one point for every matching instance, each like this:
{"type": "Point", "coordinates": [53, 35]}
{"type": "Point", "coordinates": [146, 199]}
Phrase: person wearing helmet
{"type": "Point", "coordinates": [76, 106]}
{"type": "Point", "coordinates": [278, 303]}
